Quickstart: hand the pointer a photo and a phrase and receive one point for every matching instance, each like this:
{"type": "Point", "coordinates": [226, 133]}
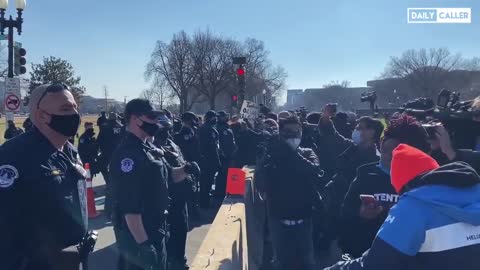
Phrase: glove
{"type": "Point", "coordinates": [192, 168]}
{"type": "Point", "coordinates": [147, 255]}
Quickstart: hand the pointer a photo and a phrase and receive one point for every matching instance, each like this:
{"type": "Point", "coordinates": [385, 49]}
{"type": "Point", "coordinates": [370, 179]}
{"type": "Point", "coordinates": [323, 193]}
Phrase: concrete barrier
{"type": "Point", "coordinates": [226, 245]}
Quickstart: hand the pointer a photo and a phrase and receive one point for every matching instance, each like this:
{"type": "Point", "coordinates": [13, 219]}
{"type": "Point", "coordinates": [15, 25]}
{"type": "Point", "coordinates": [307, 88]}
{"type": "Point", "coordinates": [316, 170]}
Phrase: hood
{"type": "Point", "coordinates": [453, 190]}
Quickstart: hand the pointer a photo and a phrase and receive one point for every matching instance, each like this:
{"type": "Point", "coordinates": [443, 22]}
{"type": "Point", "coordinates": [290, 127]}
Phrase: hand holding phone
{"type": "Point", "coordinates": [370, 207]}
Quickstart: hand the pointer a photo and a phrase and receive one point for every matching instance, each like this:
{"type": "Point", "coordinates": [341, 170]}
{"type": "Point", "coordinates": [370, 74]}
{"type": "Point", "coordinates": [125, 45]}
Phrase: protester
{"type": "Point", "coordinates": [435, 224]}
{"type": "Point", "coordinates": [287, 175]}
{"type": "Point", "coordinates": [12, 131]}
{"type": "Point", "coordinates": [342, 125]}
{"type": "Point", "coordinates": [361, 219]}
{"type": "Point", "coordinates": [362, 149]}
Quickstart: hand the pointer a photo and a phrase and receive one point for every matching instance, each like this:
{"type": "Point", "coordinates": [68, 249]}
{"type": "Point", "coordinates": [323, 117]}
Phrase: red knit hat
{"type": "Point", "coordinates": [407, 163]}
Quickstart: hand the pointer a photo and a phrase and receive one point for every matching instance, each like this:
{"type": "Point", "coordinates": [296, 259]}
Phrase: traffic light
{"type": "Point", "coordinates": [241, 77]}
{"type": "Point", "coordinates": [234, 100]}
{"type": "Point", "coordinates": [20, 61]}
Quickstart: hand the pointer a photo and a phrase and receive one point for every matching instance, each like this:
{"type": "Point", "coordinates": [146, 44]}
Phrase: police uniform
{"type": "Point", "coordinates": [42, 195]}
{"type": "Point", "coordinates": [88, 149]}
{"type": "Point", "coordinates": [108, 139]}
{"type": "Point", "coordinates": [188, 142]}
{"type": "Point", "coordinates": [210, 160]}
{"type": "Point", "coordinates": [178, 213]}
{"type": "Point", "coordinates": [227, 147]}
{"type": "Point", "coordinates": [140, 187]}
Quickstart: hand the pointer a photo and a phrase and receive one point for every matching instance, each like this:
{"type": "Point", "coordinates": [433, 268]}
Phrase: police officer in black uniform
{"type": "Point", "coordinates": [179, 193]}
{"type": "Point", "coordinates": [42, 187]}
{"type": "Point", "coordinates": [88, 147]}
{"type": "Point", "coordinates": [108, 139]}
{"type": "Point", "coordinates": [210, 156]}
{"type": "Point", "coordinates": [227, 149]}
{"type": "Point", "coordinates": [187, 138]}
{"type": "Point", "coordinates": [141, 191]}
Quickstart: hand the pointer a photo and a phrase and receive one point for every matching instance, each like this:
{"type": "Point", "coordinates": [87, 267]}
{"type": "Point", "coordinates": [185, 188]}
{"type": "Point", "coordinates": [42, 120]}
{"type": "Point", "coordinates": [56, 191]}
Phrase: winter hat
{"type": "Point", "coordinates": [407, 163]}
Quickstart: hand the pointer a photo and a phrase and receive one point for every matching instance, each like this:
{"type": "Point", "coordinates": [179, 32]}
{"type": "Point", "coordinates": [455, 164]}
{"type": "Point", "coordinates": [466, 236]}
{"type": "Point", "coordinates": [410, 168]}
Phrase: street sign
{"type": "Point", "coordinates": [12, 85]}
{"type": "Point", "coordinates": [3, 37]}
{"type": "Point", "coordinates": [17, 44]}
{"type": "Point", "coordinates": [12, 103]}
{"type": "Point", "coordinates": [249, 110]}
{"type": "Point", "coordinates": [9, 116]}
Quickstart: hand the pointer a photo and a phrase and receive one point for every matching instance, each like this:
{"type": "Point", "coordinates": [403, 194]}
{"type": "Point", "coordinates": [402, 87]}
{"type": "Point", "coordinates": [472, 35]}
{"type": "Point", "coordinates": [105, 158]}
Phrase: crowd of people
{"type": "Point", "coordinates": [388, 193]}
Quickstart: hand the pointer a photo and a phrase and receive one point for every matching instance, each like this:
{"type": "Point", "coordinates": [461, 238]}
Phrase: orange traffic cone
{"type": "Point", "coordinates": [92, 210]}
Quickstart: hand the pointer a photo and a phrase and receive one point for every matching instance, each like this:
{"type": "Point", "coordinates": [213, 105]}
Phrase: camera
{"type": "Point", "coordinates": [369, 96]}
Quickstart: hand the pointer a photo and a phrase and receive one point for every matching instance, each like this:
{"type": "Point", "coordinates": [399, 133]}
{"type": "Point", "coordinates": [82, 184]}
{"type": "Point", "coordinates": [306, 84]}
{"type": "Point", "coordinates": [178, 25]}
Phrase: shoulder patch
{"type": "Point", "coordinates": [225, 132]}
{"type": "Point", "coordinates": [8, 175]}
{"type": "Point", "coordinates": [126, 165]}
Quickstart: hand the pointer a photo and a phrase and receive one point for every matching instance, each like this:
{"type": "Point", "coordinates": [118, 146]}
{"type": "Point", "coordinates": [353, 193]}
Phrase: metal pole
{"type": "Point", "coordinates": [10, 51]}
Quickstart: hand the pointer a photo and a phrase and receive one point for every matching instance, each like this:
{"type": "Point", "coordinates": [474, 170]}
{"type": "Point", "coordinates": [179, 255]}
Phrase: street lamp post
{"type": "Point", "coordinates": [264, 92]}
{"type": "Point", "coordinates": [10, 24]}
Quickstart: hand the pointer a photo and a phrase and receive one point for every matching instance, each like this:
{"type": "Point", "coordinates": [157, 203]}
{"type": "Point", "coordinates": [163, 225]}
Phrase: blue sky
{"type": "Point", "coordinates": [109, 42]}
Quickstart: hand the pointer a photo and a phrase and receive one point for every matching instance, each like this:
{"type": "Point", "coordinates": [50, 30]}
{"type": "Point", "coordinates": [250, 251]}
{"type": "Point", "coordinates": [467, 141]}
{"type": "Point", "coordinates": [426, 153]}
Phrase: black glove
{"type": "Point", "coordinates": [147, 255]}
{"type": "Point", "coordinates": [192, 168]}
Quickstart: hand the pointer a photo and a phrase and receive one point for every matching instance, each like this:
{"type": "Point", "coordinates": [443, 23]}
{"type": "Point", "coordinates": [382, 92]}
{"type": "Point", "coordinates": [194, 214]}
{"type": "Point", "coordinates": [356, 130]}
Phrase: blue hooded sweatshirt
{"type": "Point", "coordinates": [435, 225]}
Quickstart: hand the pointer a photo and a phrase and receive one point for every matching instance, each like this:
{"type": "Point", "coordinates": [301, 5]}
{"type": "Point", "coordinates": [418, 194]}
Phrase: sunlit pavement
{"type": "Point", "coordinates": [105, 254]}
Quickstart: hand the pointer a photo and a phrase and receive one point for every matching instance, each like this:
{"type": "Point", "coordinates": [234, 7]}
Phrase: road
{"type": "Point", "coordinates": [105, 253]}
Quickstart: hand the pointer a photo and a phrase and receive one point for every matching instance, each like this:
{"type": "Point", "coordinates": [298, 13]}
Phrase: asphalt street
{"type": "Point", "coordinates": [105, 253]}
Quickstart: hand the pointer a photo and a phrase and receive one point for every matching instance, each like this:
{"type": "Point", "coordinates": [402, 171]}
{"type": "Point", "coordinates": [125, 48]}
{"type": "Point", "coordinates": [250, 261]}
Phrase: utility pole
{"type": "Point", "coordinates": [125, 100]}
{"type": "Point", "coordinates": [105, 92]}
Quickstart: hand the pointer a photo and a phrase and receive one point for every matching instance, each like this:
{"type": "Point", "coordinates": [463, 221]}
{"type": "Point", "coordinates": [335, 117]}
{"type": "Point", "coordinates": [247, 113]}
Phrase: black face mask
{"type": "Point", "coordinates": [150, 129]}
{"type": "Point", "coordinates": [67, 125]}
{"type": "Point", "coordinates": [90, 132]}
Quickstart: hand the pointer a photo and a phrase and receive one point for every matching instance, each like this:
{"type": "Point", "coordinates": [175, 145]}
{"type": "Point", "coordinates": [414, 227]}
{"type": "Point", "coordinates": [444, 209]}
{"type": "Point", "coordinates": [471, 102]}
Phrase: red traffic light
{"type": "Point", "coordinates": [234, 98]}
{"type": "Point", "coordinates": [240, 71]}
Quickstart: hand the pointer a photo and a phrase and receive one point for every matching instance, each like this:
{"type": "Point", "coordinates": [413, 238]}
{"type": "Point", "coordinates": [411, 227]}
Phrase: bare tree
{"type": "Point", "coordinates": [213, 64]}
{"type": "Point", "coordinates": [337, 84]}
{"type": "Point", "coordinates": [159, 94]}
{"type": "Point", "coordinates": [174, 64]}
{"type": "Point", "coordinates": [427, 71]}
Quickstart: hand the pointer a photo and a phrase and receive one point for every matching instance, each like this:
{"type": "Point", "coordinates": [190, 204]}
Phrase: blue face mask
{"type": "Point", "coordinates": [383, 168]}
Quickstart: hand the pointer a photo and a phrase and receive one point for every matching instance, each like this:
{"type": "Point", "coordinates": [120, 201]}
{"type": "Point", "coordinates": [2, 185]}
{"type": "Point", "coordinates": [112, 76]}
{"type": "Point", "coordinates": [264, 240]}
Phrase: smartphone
{"type": "Point", "coordinates": [368, 199]}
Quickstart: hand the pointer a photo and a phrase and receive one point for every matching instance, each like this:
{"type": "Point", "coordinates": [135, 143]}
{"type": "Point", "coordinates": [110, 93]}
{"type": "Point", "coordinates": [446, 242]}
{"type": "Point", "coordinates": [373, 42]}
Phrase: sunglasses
{"type": "Point", "coordinates": [53, 88]}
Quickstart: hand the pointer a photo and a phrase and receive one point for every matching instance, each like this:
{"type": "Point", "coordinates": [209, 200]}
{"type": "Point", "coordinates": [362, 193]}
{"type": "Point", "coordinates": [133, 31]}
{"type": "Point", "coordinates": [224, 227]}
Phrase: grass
{"type": "Point", "coordinates": [19, 123]}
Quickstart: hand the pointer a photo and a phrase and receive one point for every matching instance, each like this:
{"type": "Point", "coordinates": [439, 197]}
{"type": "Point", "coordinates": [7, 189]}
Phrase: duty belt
{"type": "Point", "coordinates": [291, 222]}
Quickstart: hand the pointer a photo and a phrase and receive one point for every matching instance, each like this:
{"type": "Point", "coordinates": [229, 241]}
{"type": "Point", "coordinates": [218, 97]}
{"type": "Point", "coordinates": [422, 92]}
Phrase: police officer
{"type": "Point", "coordinates": [179, 193]}
{"type": "Point", "coordinates": [108, 139]}
{"type": "Point", "coordinates": [210, 157]}
{"type": "Point", "coordinates": [42, 188]}
{"type": "Point", "coordinates": [187, 138]}
{"type": "Point", "coordinates": [102, 120]}
{"type": "Point", "coordinates": [227, 149]}
{"type": "Point", "coordinates": [141, 191]}
{"type": "Point", "coordinates": [12, 130]}
{"type": "Point", "coordinates": [88, 147]}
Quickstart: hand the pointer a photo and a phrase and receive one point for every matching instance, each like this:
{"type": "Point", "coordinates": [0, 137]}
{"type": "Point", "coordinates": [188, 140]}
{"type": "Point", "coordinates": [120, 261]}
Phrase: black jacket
{"type": "Point", "coordinates": [345, 155]}
{"type": "Point", "coordinates": [288, 176]}
{"type": "Point", "coordinates": [227, 140]}
{"type": "Point", "coordinates": [88, 148]}
{"type": "Point", "coordinates": [357, 234]}
{"type": "Point", "coordinates": [209, 147]}
{"type": "Point", "coordinates": [188, 142]}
